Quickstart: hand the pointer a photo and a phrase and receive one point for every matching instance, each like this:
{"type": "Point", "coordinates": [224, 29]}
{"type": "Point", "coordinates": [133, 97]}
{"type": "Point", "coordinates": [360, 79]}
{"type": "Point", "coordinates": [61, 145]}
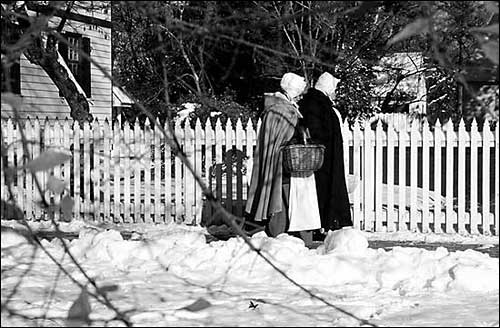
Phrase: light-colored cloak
{"type": "Point", "coordinates": [278, 125]}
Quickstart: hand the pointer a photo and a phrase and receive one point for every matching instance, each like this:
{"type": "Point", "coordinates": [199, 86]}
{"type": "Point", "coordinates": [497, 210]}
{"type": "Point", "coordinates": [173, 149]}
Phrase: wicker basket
{"type": "Point", "coordinates": [301, 160]}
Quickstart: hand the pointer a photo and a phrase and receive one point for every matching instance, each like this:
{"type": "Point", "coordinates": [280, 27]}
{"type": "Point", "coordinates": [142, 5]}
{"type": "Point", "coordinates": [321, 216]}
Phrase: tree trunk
{"type": "Point", "coordinates": [47, 58]}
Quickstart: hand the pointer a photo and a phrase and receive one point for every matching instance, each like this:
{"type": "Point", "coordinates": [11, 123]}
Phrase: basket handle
{"type": "Point", "coordinates": [305, 134]}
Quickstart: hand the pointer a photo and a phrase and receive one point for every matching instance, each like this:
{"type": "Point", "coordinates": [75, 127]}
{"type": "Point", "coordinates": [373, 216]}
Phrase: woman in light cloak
{"type": "Point", "coordinates": [269, 194]}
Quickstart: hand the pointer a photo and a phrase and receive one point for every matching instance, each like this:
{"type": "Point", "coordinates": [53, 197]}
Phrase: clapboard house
{"type": "Point", "coordinates": [88, 28]}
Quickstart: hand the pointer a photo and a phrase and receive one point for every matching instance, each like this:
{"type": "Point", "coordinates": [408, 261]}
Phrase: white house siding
{"type": "Point", "coordinates": [41, 96]}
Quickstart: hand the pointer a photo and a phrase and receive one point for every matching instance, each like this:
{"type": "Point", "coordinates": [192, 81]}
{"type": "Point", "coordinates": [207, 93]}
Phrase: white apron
{"type": "Point", "coordinates": [303, 209]}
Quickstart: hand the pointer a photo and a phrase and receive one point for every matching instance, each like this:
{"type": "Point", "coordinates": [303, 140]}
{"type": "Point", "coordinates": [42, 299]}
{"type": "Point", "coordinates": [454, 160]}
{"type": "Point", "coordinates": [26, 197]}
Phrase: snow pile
{"type": "Point", "coordinates": [188, 109]}
{"type": "Point", "coordinates": [12, 239]}
{"type": "Point", "coordinates": [346, 240]}
{"type": "Point", "coordinates": [344, 259]}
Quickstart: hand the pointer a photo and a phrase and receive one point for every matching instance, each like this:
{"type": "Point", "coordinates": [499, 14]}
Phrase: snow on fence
{"type": "Point", "coordinates": [428, 179]}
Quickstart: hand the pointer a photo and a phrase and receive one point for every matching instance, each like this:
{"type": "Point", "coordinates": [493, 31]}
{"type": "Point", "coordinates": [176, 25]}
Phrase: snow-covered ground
{"type": "Point", "coordinates": [163, 269]}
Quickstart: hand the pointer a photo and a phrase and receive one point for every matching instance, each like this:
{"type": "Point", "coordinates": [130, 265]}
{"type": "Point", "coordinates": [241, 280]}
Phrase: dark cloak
{"type": "Point", "coordinates": [265, 197]}
{"type": "Point", "coordinates": [324, 128]}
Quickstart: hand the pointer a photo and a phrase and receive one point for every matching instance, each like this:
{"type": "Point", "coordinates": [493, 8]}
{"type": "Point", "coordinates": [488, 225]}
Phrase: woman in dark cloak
{"type": "Point", "coordinates": [324, 125]}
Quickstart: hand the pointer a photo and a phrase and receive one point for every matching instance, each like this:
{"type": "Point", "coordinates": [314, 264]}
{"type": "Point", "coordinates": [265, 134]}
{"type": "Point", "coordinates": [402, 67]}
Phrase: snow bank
{"type": "Point", "coordinates": [343, 259]}
{"type": "Point", "coordinates": [12, 239]}
{"type": "Point", "coordinates": [78, 225]}
{"type": "Point", "coordinates": [432, 237]}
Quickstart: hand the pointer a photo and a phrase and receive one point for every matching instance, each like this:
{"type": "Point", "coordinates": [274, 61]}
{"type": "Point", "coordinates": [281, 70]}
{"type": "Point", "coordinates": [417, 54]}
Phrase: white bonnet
{"type": "Point", "coordinates": [327, 83]}
{"type": "Point", "coordinates": [293, 84]}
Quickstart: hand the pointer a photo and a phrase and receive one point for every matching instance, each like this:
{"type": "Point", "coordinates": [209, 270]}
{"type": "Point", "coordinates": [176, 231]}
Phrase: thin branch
{"type": "Point", "coordinates": [206, 34]}
{"type": "Point", "coordinates": [292, 43]}
{"type": "Point", "coordinates": [299, 31]}
{"type": "Point", "coordinates": [63, 20]}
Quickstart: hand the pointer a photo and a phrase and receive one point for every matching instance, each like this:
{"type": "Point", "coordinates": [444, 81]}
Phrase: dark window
{"type": "Point", "coordinates": [78, 64]}
{"type": "Point", "coordinates": [12, 75]}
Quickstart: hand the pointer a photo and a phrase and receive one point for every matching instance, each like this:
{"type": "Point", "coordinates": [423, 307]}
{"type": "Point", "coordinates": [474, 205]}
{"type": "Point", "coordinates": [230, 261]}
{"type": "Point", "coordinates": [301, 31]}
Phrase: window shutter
{"type": "Point", "coordinates": [10, 35]}
{"type": "Point", "coordinates": [84, 68]}
{"type": "Point", "coordinates": [63, 50]}
{"type": "Point", "coordinates": [15, 76]}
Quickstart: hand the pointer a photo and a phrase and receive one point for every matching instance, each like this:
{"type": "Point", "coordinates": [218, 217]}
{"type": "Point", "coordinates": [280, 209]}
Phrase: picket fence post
{"type": "Point", "coordinates": [402, 218]}
{"type": "Point", "coordinates": [125, 159]}
{"type": "Point", "coordinates": [391, 139]}
{"type": "Point", "coordinates": [219, 137]}
{"type": "Point", "coordinates": [369, 167]}
{"type": "Point", "coordinates": [116, 171]}
{"type": "Point", "coordinates": [168, 176]}
{"type": "Point", "coordinates": [474, 216]}
{"type": "Point", "coordinates": [438, 143]}
{"type": "Point", "coordinates": [450, 139]}
{"type": "Point", "coordinates": [10, 161]}
{"type": "Point", "coordinates": [96, 156]}
{"type": "Point", "coordinates": [137, 172]}
{"type": "Point", "coordinates": [198, 154]}
{"type": "Point", "coordinates": [76, 169]}
{"type": "Point", "coordinates": [21, 195]}
{"type": "Point", "coordinates": [67, 147]}
{"type": "Point", "coordinates": [378, 171]}
{"type": "Point", "coordinates": [487, 136]}
{"type": "Point", "coordinates": [415, 137]}
{"type": "Point", "coordinates": [158, 140]}
{"type": "Point", "coordinates": [358, 172]}
{"type": "Point", "coordinates": [425, 175]}
{"type": "Point", "coordinates": [106, 176]}
{"type": "Point", "coordinates": [179, 210]}
{"type": "Point", "coordinates": [462, 139]}
{"type": "Point", "coordinates": [147, 171]}
{"type": "Point", "coordinates": [29, 206]}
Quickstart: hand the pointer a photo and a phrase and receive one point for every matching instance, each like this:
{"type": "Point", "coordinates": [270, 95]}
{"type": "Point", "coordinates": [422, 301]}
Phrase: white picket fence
{"type": "Point", "coordinates": [428, 179]}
